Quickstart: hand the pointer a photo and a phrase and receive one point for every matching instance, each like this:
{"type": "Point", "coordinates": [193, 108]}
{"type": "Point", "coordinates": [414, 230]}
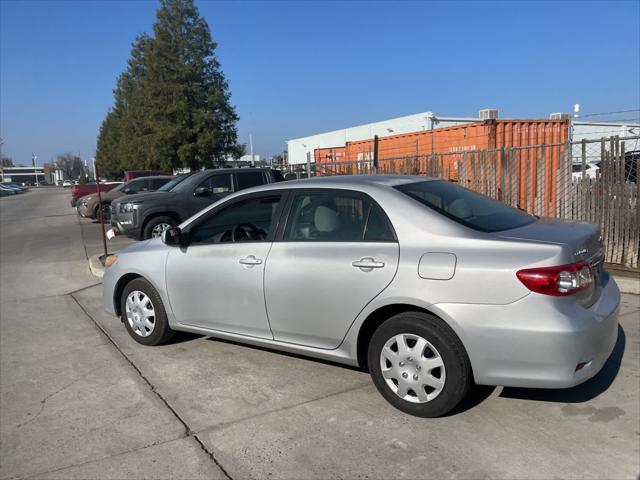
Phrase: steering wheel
{"type": "Point", "coordinates": [255, 232]}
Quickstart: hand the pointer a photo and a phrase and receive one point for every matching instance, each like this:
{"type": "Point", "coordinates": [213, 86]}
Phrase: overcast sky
{"type": "Point", "coordinates": [298, 68]}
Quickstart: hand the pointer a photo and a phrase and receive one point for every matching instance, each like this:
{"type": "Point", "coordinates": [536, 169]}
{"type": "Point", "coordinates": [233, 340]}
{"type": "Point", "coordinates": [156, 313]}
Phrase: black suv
{"type": "Point", "coordinates": [147, 215]}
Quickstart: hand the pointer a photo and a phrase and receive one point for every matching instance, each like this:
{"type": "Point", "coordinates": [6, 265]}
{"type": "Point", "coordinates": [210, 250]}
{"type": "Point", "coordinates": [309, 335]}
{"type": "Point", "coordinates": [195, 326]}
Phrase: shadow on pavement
{"type": "Point", "coordinates": [479, 393]}
{"type": "Point", "coordinates": [287, 354]}
{"type": "Point", "coordinates": [580, 393]}
{"type": "Point", "coordinates": [180, 337]}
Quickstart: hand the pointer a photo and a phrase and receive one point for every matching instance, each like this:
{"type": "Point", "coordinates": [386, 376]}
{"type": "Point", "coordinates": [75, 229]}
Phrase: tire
{"type": "Point", "coordinates": [440, 373]}
{"type": "Point", "coordinates": [148, 231]}
{"type": "Point", "coordinates": [105, 213]}
{"type": "Point", "coordinates": [142, 290]}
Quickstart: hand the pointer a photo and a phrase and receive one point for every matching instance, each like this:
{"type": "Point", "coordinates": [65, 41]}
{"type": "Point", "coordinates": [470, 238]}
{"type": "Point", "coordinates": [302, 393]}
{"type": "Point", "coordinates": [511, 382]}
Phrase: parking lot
{"type": "Point", "coordinates": [80, 399]}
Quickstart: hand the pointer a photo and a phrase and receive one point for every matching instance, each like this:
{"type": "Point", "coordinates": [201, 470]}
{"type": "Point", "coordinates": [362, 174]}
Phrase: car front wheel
{"type": "Point", "coordinates": [143, 313]}
{"type": "Point", "coordinates": [157, 225]}
{"type": "Point", "coordinates": [419, 364]}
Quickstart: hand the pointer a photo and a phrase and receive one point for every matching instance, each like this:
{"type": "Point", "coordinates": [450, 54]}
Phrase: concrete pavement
{"type": "Point", "coordinates": [70, 404]}
{"type": "Point", "coordinates": [81, 399]}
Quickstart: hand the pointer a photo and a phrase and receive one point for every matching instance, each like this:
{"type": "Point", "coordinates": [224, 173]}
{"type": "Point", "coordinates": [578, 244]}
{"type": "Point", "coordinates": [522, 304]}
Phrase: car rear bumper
{"type": "Point", "coordinates": [538, 341]}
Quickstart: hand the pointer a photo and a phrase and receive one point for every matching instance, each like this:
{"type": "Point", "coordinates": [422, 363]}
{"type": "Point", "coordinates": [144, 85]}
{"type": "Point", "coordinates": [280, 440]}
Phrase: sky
{"type": "Point", "coordinates": [299, 68]}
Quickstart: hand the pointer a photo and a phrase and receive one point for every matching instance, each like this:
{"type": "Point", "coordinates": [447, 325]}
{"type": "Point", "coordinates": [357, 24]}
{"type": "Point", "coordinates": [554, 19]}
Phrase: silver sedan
{"type": "Point", "coordinates": [429, 286]}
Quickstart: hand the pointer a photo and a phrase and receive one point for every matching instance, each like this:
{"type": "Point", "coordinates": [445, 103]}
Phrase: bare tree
{"type": "Point", "coordinates": [6, 162]}
{"type": "Point", "coordinates": [70, 164]}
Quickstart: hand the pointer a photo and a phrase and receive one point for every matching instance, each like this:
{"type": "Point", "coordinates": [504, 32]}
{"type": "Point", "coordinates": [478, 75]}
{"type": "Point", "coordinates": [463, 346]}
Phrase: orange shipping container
{"type": "Point", "coordinates": [452, 144]}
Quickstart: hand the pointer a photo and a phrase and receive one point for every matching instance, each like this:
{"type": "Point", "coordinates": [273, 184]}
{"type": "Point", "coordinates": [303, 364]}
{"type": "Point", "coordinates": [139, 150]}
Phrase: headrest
{"type": "Point", "coordinates": [460, 208]}
{"type": "Point", "coordinates": [326, 219]}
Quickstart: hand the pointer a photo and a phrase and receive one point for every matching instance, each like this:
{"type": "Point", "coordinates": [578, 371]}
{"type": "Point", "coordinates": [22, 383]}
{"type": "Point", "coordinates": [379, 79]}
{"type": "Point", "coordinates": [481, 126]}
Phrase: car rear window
{"type": "Point", "coordinates": [466, 207]}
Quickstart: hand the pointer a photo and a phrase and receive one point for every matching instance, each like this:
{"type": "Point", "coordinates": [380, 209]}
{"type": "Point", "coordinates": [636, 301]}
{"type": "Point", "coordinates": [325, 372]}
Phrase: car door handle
{"type": "Point", "coordinates": [250, 260]}
{"type": "Point", "coordinates": [367, 263]}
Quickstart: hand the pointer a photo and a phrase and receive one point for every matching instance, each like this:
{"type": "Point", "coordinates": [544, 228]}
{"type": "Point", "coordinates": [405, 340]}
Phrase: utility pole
{"type": "Point", "coordinates": [33, 161]}
{"type": "Point", "coordinates": [93, 165]}
{"type": "Point", "coordinates": [101, 218]}
{"type": "Point", "coordinates": [251, 148]}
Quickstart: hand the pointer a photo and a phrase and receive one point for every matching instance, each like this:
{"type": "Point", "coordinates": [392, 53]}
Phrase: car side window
{"type": "Point", "coordinates": [378, 228]}
{"type": "Point", "coordinates": [249, 179]}
{"type": "Point", "coordinates": [327, 217]}
{"type": "Point", "coordinates": [156, 183]}
{"type": "Point", "coordinates": [251, 220]}
{"type": "Point", "coordinates": [137, 186]}
{"type": "Point", "coordinates": [214, 185]}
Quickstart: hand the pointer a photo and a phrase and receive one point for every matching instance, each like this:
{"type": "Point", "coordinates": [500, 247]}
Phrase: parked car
{"type": "Point", "coordinates": [67, 184]}
{"type": "Point", "coordinates": [426, 284]}
{"type": "Point", "coordinates": [6, 191]}
{"type": "Point", "coordinates": [591, 171]}
{"type": "Point", "coordinates": [80, 190]}
{"type": "Point", "coordinates": [145, 216]}
{"type": "Point", "coordinates": [19, 188]}
{"type": "Point", "coordinates": [89, 205]}
{"type": "Point", "coordinates": [631, 162]}
{"type": "Point", "coordinates": [131, 174]}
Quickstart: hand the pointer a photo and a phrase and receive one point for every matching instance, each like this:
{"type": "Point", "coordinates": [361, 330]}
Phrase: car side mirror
{"type": "Point", "coordinates": [172, 236]}
{"type": "Point", "coordinates": [201, 192]}
{"type": "Point", "coordinates": [128, 190]}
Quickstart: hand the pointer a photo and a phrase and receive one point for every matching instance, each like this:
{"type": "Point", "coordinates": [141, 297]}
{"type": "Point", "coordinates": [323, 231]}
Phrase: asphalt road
{"type": "Point", "coordinates": [80, 399]}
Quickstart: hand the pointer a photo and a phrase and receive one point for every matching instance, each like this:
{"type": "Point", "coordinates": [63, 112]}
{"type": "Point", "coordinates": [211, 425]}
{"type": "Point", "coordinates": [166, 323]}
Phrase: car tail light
{"type": "Point", "coordinates": [558, 281]}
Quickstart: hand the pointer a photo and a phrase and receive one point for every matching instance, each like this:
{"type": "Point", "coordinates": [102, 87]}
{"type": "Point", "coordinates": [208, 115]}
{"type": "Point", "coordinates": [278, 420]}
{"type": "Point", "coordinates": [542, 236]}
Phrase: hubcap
{"type": "Point", "coordinates": [140, 313]}
{"type": "Point", "coordinates": [412, 368]}
{"type": "Point", "coordinates": [158, 229]}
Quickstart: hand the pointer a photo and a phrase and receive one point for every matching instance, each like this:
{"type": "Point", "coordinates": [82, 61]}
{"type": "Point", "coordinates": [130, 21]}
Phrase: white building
{"type": "Point", "coordinates": [298, 148]}
{"type": "Point", "coordinates": [581, 130]}
{"type": "Point", "coordinates": [32, 175]}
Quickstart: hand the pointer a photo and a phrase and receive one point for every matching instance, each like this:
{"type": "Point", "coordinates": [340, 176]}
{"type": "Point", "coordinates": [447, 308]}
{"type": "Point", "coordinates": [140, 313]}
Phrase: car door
{"type": "Point", "coordinates": [336, 253]}
{"type": "Point", "coordinates": [208, 191]}
{"type": "Point", "coordinates": [216, 282]}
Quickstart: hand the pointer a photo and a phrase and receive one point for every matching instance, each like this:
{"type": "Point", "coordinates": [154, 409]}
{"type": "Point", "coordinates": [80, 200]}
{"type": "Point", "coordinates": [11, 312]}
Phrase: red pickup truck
{"type": "Point", "coordinates": [78, 191]}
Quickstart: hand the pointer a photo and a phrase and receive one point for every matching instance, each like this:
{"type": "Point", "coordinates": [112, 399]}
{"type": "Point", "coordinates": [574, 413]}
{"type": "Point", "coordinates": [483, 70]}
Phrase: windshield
{"type": "Point", "coordinates": [169, 185]}
{"type": "Point", "coordinates": [190, 183]}
{"type": "Point", "coordinates": [466, 207]}
{"type": "Point", "coordinates": [120, 187]}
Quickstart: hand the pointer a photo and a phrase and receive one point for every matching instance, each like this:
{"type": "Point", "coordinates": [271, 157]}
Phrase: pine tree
{"type": "Point", "coordinates": [172, 105]}
{"type": "Point", "coordinates": [119, 130]}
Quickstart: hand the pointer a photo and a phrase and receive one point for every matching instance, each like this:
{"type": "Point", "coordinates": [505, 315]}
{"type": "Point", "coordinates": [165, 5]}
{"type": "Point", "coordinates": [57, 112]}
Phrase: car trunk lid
{"type": "Point", "coordinates": [581, 242]}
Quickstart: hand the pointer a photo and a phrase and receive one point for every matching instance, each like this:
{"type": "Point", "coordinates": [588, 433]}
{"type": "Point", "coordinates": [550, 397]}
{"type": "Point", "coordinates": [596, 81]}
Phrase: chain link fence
{"type": "Point", "coordinates": [592, 181]}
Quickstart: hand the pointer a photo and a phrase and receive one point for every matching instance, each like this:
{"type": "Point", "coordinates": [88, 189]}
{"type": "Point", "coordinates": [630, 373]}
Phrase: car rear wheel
{"type": "Point", "coordinates": [143, 313]}
{"type": "Point", "coordinates": [157, 225]}
{"type": "Point", "coordinates": [419, 364]}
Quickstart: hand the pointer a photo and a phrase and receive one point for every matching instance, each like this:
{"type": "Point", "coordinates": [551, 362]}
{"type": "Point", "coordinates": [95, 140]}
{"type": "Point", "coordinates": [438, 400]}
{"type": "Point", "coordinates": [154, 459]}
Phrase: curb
{"type": "Point", "coordinates": [628, 283]}
{"type": "Point", "coordinates": [95, 265]}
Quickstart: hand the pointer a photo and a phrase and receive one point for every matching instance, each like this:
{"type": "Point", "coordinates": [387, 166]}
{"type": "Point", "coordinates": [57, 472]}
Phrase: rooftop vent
{"type": "Point", "coordinates": [488, 113]}
{"type": "Point", "coordinates": [559, 116]}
